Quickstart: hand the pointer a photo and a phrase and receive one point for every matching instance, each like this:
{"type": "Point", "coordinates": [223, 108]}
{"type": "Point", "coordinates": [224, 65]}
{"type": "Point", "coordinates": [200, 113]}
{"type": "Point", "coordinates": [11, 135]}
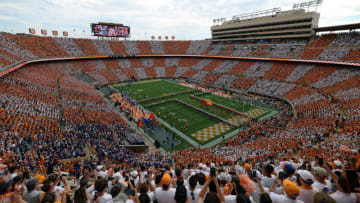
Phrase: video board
{"type": "Point", "coordinates": [104, 30]}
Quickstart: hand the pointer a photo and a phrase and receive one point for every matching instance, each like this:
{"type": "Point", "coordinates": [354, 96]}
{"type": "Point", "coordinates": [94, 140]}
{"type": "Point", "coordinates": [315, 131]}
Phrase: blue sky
{"type": "Point", "coordinates": [184, 19]}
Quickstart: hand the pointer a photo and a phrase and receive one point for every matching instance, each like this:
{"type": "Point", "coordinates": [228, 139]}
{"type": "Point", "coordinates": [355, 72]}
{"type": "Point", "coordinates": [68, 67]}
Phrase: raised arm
{"type": "Point", "coordinates": [204, 189]}
{"type": "Point", "coordinates": [261, 188]}
{"type": "Point", "coordinates": [220, 194]}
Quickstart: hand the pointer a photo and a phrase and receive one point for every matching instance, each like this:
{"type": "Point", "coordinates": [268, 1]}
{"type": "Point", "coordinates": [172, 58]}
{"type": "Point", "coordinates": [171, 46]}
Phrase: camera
{"type": "Point", "coordinates": [212, 172]}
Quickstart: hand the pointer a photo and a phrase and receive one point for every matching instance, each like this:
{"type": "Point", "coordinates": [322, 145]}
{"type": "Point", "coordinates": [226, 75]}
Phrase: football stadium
{"type": "Point", "coordinates": [267, 109]}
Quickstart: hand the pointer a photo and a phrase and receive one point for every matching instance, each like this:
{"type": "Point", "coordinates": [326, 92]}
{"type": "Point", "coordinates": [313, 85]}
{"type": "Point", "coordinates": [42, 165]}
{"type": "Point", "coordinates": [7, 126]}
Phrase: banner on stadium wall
{"type": "Point", "coordinates": [65, 33]}
{"type": "Point", "coordinates": [32, 31]}
{"type": "Point", "coordinates": [44, 32]}
{"type": "Point", "coordinates": [55, 32]}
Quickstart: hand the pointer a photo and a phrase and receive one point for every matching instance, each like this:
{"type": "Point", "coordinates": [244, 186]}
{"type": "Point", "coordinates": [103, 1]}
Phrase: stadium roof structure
{"type": "Point", "coordinates": [338, 27]}
{"type": "Point", "coordinates": [104, 23]}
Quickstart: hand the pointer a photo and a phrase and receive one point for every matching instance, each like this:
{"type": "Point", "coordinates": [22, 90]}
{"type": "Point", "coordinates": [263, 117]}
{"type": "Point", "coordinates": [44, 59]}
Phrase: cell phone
{"type": "Point", "coordinates": [96, 195]}
{"type": "Point", "coordinates": [352, 179]}
{"type": "Point", "coordinates": [254, 174]}
{"type": "Point", "coordinates": [212, 172]}
{"type": "Point", "coordinates": [309, 167]}
{"type": "Point", "coordinates": [281, 175]}
{"type": "Point", "coordinates": [129, 192]}
{"type": "Point", "coordinates": [321, 161]}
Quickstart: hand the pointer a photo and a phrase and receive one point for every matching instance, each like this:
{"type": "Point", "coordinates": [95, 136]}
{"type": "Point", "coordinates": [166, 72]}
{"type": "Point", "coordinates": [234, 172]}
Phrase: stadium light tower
{"type": "Point", "coordinates": [308, 5]}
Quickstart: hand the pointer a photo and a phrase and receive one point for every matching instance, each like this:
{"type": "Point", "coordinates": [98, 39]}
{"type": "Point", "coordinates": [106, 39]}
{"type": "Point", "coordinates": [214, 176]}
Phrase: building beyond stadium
{"type": "Point", "coordinates": [269, 24]}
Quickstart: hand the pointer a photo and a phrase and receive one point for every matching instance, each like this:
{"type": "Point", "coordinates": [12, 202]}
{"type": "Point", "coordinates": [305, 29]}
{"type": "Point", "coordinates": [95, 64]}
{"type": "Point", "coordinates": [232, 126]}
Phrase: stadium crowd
{"type": "Point", "coordinates": [222, 174]}
{"type": "Point", "coordinates": [53, 122]}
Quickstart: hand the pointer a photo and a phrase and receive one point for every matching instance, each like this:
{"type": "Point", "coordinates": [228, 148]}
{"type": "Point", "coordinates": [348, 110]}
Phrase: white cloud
{"type": "Point", "coordinates": [187, 19]}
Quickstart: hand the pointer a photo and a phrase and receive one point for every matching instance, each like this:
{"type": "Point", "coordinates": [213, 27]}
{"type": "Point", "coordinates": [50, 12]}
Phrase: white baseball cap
{"type": "Point", "coordinates": [306, 175]}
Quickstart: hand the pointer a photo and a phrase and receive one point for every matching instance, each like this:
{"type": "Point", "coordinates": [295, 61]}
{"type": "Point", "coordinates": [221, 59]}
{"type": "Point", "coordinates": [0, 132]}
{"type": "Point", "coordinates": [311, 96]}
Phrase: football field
{"type": "Point", "coordinates": [181, 108]}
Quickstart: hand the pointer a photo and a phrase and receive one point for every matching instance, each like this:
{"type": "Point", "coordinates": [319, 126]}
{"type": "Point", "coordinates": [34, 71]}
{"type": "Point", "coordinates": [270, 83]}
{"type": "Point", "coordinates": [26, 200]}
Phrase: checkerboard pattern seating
{"type": "Point", "coordinates": [255, 112]}
{"type": "Point", "coordinates": [211, 132]}
{"type": "Point", "coordinates": [238, 120]}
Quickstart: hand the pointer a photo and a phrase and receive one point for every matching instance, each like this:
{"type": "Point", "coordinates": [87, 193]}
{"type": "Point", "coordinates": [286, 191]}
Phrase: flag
{"type": "Point", "coordinates": [203, 103]}
{"type": "Point", "coordinates": [151, 117]}
{"type": "Point", "coordinates": [140, 123]}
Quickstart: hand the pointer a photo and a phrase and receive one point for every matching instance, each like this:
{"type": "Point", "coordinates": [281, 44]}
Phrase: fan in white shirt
{"type": "Point", "coordinates": [307, 192]}
{"type": "Point", "coordinates": [99, 193]}
{"type": "Point", "coordinates": [165, 194]}
{"type": "Point", "coordinates": [320, 176]}
{"type": "Point", "coordinates": [268, 179]}
{"type": "Point", "coordinates": [343, 194]}
{"type": "Point", "coordinates": [292, 191]}
{"type": "Point", "coordinates": [192, 191]}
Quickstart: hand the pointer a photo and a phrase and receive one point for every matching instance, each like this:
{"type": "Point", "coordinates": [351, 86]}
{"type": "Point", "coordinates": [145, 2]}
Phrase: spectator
{"type": "Point", "coordinates": [165, 194]}
{"type": "Point", "coordinates": [81, 194]}
{"type": "Point", "coordinates": [33, 195]}
{"type": "Point", "coordinates": [100, 192]}
{"type": "Point", "coordinates": [306, 179]}
{"type": "Point", "coordinates": [320, 179]}
{"type": "Point", "coordinates": [291, 190]}
{"type": "Point", "coordinates": [323, 197]}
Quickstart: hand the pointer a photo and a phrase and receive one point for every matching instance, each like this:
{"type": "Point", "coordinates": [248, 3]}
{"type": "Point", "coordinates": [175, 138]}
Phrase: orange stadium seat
{"type": "Point", "coordinates": [212, 65]}
{"type": "Point", "coordinates": [298, 92]}
{"type": "Point", "coordinates": [130, 72]}
{"type": "Point", "coordinates": [188, 62]}
{"type": "Point", "coordinates": [87, 47]}
{"type": "Point", "coordinates": [353, 56]}
{"type": "Point", "coordinates": [150, 72]}
{"type": "Point", "coordinates": [110, 76]}
{"type": "Point", "coordinates": [343, 85]}
{"type": "Point", "coordinates": [280, 71]}
{"type": "Point", "coordinates": [159, 62]}
{"type": "Point", "coordinates": [39, 46]}
{"type": "Point", "coordinates": [176, 47]}
{"type": "Point", "coordinates": [144, 47]}
{"type": "Point", "coordinates": [136, 63]}
{"type": "Point", "coordinates": [189, 73]}
{"type": "Point", "coordinates": [261, 51]}
{"type": "Point", "coordinates": [118, 48]}
{"type": "Point", "coordinates": [229, 49]}
{"type": "Point", "coordinates": [211, 78]}
{"type": "Point", "coordinates": [316, 73]}
{"type": "Point", "coordinates": [243, 83]}
{"type": "Point", "coordinates": [241, 67]}
{"type": "Point", "coordinates": [311, 53]}
{"type": "Point", "coordinates": [170, 71]}
{"type": "Point", "coordinates": [111, 63]}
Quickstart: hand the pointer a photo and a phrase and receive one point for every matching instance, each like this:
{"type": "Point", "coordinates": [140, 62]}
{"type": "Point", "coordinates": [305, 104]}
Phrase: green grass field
{"type": "Point", "coordinates": [177, 114]}
{"type": "Point", "coordinates": [150, 89]}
